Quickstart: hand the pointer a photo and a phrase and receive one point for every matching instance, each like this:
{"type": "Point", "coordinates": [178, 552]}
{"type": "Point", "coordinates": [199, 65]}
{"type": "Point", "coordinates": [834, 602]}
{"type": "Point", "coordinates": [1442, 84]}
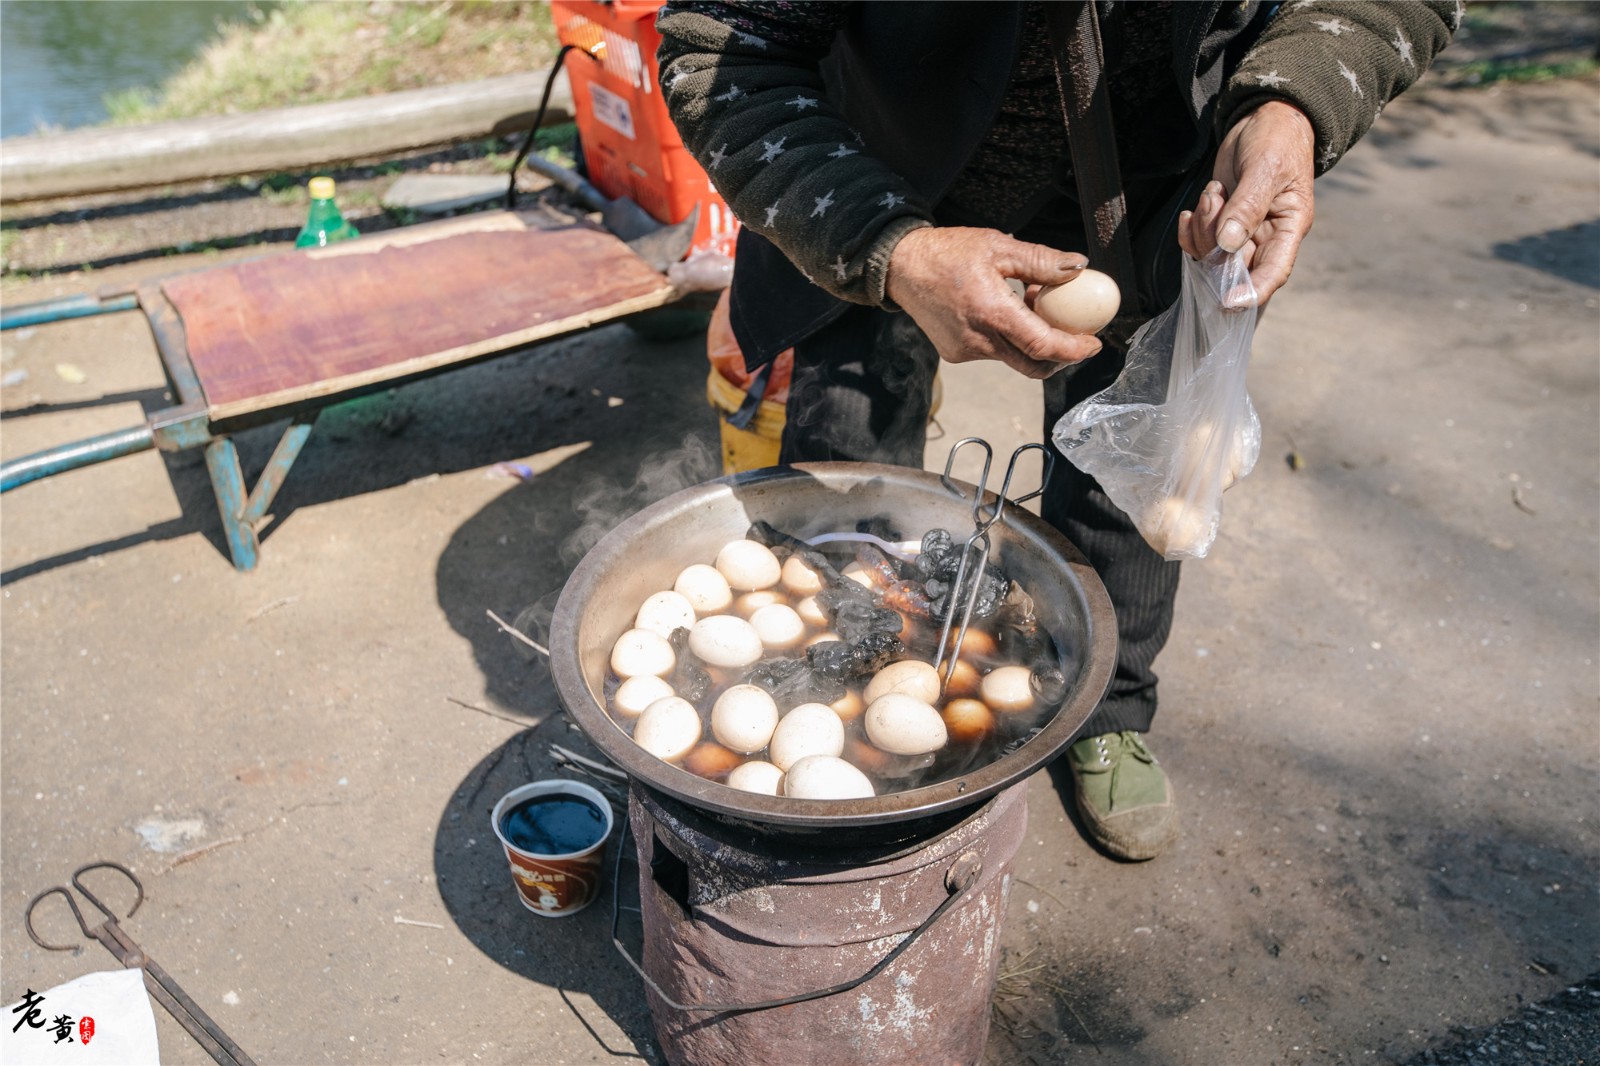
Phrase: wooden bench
{"type": "Point", "coordinates": [287, 334]}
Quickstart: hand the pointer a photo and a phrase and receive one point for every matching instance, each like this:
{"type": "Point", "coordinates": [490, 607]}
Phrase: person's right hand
{"type": "Point", "coordinates": [952, 281]}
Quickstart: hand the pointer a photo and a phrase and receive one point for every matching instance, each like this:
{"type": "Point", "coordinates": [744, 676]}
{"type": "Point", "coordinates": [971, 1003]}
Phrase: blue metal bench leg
{"type": "Point", "coordinates": [227, 481]}
{"type": "Point", "coordinates": [241, 512]}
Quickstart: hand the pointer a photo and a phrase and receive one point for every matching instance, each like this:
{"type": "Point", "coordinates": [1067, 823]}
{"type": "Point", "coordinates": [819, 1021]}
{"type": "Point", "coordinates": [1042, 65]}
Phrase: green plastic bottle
{"type": "Point", "coordinates": [324, 224]}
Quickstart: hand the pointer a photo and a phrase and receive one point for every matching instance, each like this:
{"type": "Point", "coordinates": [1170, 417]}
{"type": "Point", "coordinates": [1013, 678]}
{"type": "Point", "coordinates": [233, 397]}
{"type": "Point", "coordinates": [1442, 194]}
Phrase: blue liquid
{"type": "Point", "coordinates": [554, 825]}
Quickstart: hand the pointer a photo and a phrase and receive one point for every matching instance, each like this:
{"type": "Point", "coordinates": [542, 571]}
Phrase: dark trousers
{"type": "Point", "coordinates": [861, 392]}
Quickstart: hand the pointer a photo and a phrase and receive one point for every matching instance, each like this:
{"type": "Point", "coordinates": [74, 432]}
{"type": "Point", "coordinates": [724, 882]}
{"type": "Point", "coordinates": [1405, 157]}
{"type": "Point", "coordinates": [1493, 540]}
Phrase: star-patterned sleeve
{"type": "Point", "coordinates": [1340, 62]}
{"type": "Point", "coordinates": [742, 83]}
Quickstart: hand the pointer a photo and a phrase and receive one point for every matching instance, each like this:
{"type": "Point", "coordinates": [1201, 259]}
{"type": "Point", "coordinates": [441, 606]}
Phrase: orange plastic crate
{"type": "Point", "coordinates": [630, 146]}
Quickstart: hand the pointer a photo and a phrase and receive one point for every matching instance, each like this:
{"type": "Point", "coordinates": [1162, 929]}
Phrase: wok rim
{"type": "Point", "coordinates": [780, 812]}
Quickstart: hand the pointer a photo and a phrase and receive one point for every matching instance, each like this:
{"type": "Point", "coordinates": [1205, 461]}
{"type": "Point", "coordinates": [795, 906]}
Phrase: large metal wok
{"type": "Point", "coordinates": [644, 554]}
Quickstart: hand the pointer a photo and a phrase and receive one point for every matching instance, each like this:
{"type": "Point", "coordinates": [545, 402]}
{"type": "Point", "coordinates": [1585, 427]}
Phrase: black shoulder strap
{"type": "Point", "coordinates": [1086, 104]}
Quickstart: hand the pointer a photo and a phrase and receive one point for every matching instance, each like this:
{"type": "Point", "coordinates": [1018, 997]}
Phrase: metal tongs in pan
{"type": "Point", "coordinates": [168, 992]}
{"type": "Point", "coordinates": [985, 516]}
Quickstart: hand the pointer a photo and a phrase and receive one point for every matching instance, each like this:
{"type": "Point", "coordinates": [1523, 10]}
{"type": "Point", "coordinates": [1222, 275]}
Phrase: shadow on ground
{"type": "Point", "coordinates": [573, 955]}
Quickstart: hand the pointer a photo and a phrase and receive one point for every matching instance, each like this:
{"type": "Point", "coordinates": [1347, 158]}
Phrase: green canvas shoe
{"type": "Point", "coordinates": [1123, 796]}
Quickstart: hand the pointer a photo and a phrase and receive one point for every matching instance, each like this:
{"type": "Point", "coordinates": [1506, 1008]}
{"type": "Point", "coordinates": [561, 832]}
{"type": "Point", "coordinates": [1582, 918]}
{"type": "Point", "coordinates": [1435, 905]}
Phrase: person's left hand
{"type": "Point", "coordinates": [1260, 200]}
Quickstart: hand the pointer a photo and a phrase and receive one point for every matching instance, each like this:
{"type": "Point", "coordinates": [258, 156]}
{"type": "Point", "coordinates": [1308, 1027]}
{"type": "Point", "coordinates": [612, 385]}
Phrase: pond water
{"type": "Point", "coordinates": [59, 58]}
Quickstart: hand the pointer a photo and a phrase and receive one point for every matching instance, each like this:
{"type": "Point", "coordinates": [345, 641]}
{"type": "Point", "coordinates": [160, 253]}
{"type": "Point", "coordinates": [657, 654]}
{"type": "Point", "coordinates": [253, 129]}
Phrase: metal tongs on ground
{"type": "Point", "coordinates": [206, 1032]}
{"type": "Point", "coordinates": [985, 516]}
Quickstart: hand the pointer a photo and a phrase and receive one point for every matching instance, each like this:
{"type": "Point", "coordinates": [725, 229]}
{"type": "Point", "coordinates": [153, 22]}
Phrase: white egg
{"type": "Point", "coordinates": [705, 588]}
{"type": "Point", "coordinates": [668, 729]}
{"type": "Point", "coordinates": [748, 565]}
{"type": "Point", "coordinates": [743, 718]}
{"type": "Point", "coordinates": [723, 640]}
{"type": "Point", "coordinates": [905, 725]}
{"type": "Point", "coordinates": [799, 578]}
{"type": "Point", "coordinates": [1086, 304]}
{"type": "Point", "coordinates": [809, 729]}
{"type": "Point", "coordinates": [1177, 527]}
{"type": "Point", "coordinates": [811, 612]}
{"type": "Point", "coordinates": [757, 775]}
{"type": "Point", "coordinates": [1228, 460]}
{"type": "Point", "coordinates": [778, 626]}
{"type": "Point", "coordinates": [825, 777]}
{"type": "Point", "coordinates": [1007, 688]}
{"type": "Point", "coordinates": [637, 693]}
{"type": "Point", "coordinates": [911, 676]}
{"type": "Point", "coordinates": [822, 638]}
{"type": "Point", "coordinates": [664, 612]}
{"type": "Point", "coordinates": [751, 602]}
{"type": "Point", "coordinates": [639, 651]}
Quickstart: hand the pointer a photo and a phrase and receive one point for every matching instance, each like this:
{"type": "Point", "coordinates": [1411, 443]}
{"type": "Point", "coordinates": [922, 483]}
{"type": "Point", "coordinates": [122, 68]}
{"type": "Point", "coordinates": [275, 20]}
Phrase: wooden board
{"type": "Point", "coordinates": [284, 329]}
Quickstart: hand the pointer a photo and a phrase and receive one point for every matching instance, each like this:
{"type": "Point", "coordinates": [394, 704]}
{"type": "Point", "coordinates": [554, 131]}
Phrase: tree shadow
{"type": "Point", "coordinates": [1571, 253]}
{"type": "Point", "coordinates": [573, 954]}
{"type": "Point", "coordinates": [592, 464]}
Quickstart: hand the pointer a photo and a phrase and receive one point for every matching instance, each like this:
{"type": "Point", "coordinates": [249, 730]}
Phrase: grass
{"type": "Point", "coordinates": [1488, 71]}
{"type": "Point", "coordinates": [309, 51]}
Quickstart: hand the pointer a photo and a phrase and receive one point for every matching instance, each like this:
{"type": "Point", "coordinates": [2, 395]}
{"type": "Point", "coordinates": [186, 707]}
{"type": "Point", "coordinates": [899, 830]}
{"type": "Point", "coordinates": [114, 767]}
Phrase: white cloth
{"type": "Point", "coordinates": [124, 1024]}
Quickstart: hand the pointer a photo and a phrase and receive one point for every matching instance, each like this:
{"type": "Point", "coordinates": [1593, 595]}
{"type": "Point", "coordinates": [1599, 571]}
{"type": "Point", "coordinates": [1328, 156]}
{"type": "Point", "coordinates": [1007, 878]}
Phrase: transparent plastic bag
{"type": "Point", "coordinates": [1177, 427]}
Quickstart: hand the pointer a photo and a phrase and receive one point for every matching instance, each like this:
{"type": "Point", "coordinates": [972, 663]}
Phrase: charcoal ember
{"type": "Point", "coordinates": [792, 682]}
{"type": "Point", "coordinates": [839, 660]}
{"type": "Point", "coordinates": [878, 649]}
{"type": "Point", "coordinates": [833, 597]}
{"type": "Point", "coordinates": [832, 659]}
{"type": "Point", "coordinates": [884, 569]}
{"type": "Point", "coordinates": [909, 597]}
{"type": "Point", "coordinates": [939, 557]}
{"type": "Point", "coordinates": [689, 678]}
{"type": "Point", "coordinates": [986, 599]}
{"type": "Point", "coordinates": [855, 620]}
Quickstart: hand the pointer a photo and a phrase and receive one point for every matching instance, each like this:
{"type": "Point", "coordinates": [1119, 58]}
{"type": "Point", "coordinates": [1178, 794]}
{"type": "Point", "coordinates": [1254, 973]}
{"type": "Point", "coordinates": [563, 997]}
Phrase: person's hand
{"type": "Point", "coordinates": [1260, 201]}
{"type": "Point", "coordinates": [952, 281]}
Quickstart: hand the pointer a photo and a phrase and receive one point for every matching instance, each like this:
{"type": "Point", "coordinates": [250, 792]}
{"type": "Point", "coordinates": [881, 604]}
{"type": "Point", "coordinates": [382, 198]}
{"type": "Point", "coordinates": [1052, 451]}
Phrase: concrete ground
{"type": "Point", "coordinates": [1380, 695]}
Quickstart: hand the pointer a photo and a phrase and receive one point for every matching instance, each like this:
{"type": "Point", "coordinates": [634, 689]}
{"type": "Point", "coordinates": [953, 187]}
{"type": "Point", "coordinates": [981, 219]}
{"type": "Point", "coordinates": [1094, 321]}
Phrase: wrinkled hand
{"type": "Point", "coordinates": [952, 281]}
{"type": "Point", "coordinates": [1260, 200]}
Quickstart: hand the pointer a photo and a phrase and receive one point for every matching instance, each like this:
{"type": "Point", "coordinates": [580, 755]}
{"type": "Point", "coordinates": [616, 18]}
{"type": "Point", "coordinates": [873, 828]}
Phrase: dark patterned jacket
{"type": "Point", "coordinates": [833, 129]}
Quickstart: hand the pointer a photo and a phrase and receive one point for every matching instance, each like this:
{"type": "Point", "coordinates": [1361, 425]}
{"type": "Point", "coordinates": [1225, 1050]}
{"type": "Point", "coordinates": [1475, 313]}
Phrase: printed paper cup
{"type": "Point", "coordinates": [554, 863]}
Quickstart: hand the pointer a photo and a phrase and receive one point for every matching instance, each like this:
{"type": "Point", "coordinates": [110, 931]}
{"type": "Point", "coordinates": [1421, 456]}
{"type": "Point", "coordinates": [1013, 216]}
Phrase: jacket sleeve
{"type": "Point", "coordinates": [743, 85]}
{"type": "Point", "coordinates": [1340, 62]}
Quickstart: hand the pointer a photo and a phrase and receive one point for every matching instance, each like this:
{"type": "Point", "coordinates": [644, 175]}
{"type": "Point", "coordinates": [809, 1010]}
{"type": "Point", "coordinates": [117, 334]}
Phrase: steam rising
{"type": "Point", "coordinates": [604, 504]}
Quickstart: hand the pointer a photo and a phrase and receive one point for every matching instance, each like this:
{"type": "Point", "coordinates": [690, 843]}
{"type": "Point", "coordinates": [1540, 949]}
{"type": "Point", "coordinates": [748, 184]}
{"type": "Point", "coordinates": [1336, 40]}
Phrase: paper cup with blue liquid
{"type": "Point", "coordinates": [554, 834]}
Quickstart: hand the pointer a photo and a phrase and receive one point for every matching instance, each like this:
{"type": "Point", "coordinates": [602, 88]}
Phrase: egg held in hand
{"type": "Point", "coordinates": [1086, 304]}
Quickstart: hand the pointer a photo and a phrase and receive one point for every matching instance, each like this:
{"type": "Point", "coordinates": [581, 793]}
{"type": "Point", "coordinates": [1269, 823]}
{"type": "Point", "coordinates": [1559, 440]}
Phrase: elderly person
{"type": "Point", "coordinates": [896, 165]}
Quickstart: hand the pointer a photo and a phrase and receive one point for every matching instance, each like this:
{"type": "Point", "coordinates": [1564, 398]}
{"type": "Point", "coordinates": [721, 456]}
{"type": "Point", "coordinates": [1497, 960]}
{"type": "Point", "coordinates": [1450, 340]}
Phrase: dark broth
{"type": "Point", "coordinates": [554, 824]}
